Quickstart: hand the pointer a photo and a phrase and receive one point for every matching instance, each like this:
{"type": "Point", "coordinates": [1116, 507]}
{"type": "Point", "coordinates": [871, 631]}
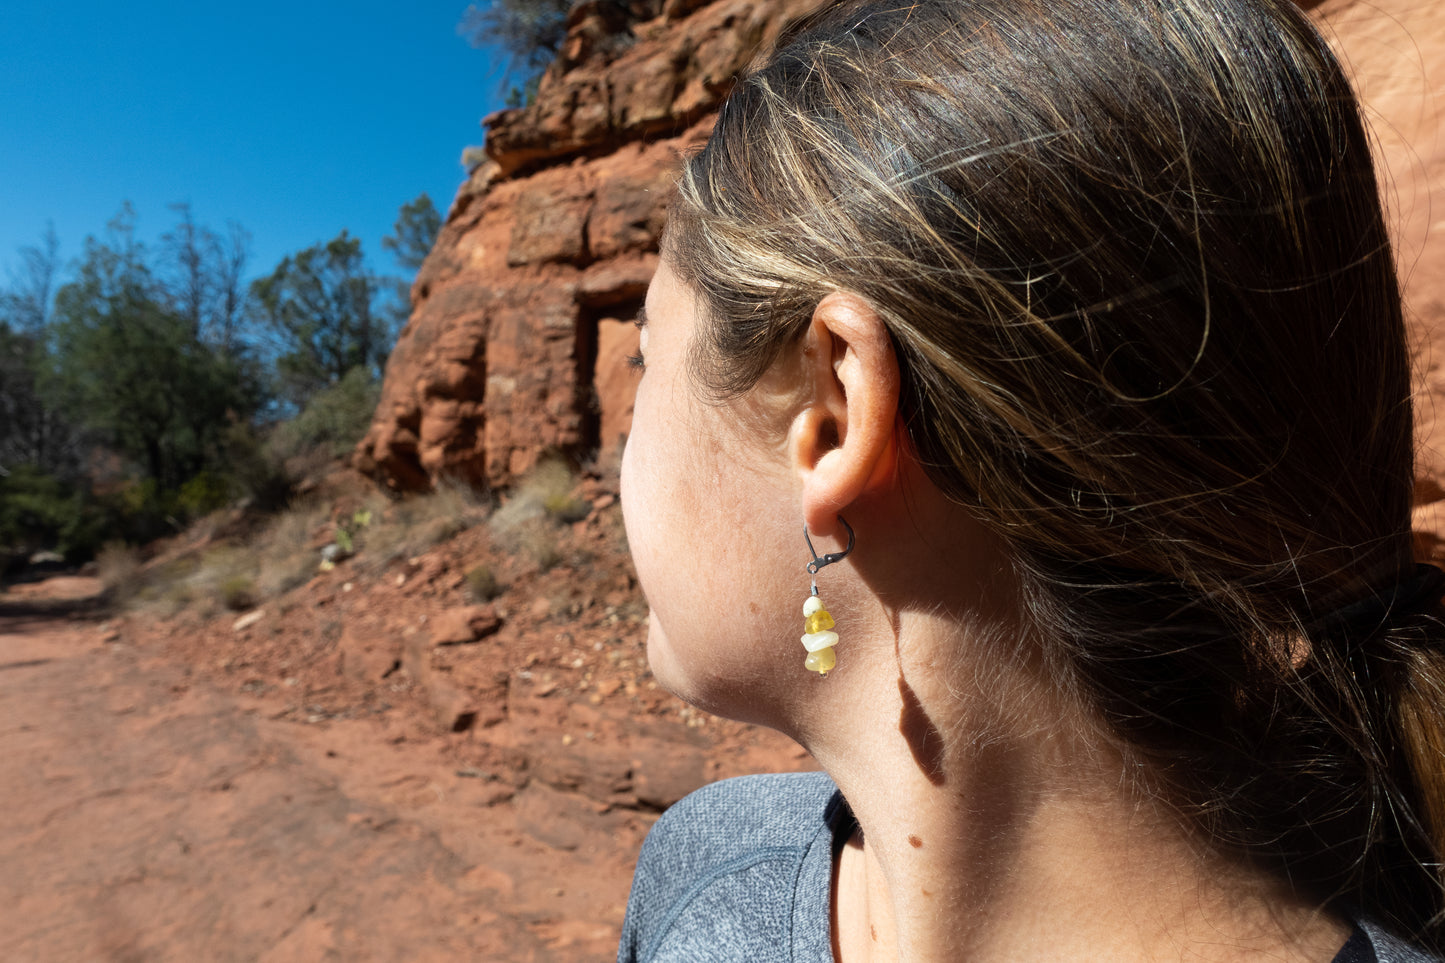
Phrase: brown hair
{"type": "Point", "coordinates": [1133, 261]}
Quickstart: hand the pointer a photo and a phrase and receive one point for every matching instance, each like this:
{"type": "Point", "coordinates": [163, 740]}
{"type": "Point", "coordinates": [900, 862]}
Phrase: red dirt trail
{"type": "Point", "coordinates": [161, 806]}
{"type": "Point", "coordinates": [154, 817]}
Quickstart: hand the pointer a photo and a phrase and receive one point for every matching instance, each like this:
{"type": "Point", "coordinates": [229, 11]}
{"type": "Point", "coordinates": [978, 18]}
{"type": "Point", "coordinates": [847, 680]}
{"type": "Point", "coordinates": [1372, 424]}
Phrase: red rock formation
{"type": "Point", "coordinates": [1395, 50]}
{"type": "Point", "coordinates": [518, 334]}
{"type": "Point", "coordinates": [517, 339]}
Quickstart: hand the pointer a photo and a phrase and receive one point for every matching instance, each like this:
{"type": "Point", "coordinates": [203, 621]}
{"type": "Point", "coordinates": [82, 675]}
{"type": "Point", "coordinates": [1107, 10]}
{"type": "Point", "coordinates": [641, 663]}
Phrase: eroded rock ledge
{"type": "Point", "coordinates": [521, 314]}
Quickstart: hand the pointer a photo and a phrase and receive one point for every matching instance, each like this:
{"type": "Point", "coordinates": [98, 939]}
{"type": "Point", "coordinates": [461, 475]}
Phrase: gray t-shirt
{"type": "Point", "coordinates": [742, 870]}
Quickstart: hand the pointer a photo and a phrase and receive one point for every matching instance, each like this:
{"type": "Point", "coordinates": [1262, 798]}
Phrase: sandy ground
{"type": "Point", "coordinates": [155, 818]}
{"type": "Point", "coordinates": [170, 796]}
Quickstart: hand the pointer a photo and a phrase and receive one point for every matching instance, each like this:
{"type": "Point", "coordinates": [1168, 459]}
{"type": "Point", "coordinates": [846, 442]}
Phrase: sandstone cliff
{"type": "Point", "coordinates": [522, 313]}
{"type": "Point", "coordinates": [1396, 53]}
{"type": "Point", "coordinates": [520, 326]}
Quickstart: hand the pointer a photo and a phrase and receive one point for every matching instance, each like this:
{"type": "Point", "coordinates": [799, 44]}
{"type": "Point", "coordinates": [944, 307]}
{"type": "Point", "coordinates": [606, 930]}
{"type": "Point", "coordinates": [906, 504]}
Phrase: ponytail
{"type": "Point", "coordinates": [1420, 721]}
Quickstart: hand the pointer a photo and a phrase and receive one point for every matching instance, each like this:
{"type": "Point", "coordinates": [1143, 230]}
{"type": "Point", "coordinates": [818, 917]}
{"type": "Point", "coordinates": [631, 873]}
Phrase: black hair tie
{"type": "Point", "coordinates": [1409, 596]}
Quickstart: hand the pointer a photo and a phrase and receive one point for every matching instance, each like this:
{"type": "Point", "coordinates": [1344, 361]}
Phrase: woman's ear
{"type": "Point", "coordinates": [843, 440]}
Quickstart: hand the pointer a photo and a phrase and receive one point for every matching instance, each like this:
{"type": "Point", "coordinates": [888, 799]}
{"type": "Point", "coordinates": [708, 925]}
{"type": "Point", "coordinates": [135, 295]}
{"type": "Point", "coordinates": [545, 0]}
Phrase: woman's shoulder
{"type": "Point", "coordinates": [782, 807]}
{"type": "Point", "coordinates": [746, 818]}
{"type": "Point", "coordinates": [739, 870]}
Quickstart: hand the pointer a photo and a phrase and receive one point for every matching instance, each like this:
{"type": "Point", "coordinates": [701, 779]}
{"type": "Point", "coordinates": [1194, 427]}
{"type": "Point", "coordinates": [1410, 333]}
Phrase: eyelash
{"type": "Point", "coordinates": [634, 361]}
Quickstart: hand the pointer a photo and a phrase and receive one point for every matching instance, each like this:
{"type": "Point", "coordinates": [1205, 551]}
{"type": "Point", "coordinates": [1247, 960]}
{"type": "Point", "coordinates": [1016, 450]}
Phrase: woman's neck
{"type": "Point", "coordinates": [981, 845]}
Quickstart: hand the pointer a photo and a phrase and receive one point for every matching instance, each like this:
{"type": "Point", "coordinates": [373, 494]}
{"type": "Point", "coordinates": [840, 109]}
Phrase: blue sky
{"type": "Point", "coordinates": [294, 119]}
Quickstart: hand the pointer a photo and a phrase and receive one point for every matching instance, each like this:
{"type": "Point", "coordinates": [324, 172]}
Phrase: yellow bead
{"type": "Point", "coordinates": [821, 661]}
{"type": "Point", "coordinates": [818, 622]}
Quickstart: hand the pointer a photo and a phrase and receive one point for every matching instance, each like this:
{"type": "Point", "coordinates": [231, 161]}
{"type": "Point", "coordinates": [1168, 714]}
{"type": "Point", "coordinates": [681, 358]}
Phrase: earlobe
{"type": "Point", "coordinates": [843, 439]}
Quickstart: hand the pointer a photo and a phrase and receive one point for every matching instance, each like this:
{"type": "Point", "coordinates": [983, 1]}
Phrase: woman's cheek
{"type": "Point", "coordinates": [647, 486]}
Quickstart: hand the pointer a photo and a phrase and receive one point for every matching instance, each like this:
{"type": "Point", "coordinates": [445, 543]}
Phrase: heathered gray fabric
{"type": "Point", "coordinates": [1391, 949]}
{"type": "Point", "coordinates": [741, 870]}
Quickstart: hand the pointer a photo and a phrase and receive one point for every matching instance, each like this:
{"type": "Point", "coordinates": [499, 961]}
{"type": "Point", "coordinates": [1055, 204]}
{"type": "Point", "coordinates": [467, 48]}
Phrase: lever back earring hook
{"type": "Point", "coordinates": [821, 560]}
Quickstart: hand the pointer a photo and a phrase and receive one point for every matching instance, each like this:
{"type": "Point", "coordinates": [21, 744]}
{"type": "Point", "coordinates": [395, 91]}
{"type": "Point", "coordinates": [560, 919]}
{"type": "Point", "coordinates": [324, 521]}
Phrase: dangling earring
{"type": "Point", "coordinates": [819, 637]}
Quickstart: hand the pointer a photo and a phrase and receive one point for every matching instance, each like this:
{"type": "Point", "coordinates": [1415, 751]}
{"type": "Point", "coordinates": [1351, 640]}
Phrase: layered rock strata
{"type": "Point", "coordinates": [522, 313]}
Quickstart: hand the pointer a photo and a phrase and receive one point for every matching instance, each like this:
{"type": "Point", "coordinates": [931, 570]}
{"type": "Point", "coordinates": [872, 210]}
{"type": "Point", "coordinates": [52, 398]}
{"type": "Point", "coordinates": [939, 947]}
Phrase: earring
{"type": "Point", "coordinates": [819, 637]}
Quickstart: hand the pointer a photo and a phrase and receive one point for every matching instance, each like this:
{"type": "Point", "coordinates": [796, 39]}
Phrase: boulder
{"type": "Point", "coordinates": [464, 624]}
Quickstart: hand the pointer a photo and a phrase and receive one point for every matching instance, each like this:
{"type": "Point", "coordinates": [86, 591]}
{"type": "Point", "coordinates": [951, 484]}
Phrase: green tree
{"type": "Point", "coordinates": [40, 511]}
{"type": "Point", "coordinates": [203, 278]}
{"type": "Point", "coordinates": [324, 308]}
{"type": "Point", "coordinates": [26, 305]}
{"type": "Point", "coordinates": [414, 233]}
{"type": "Point", "coordinates": [128, 366]}
{"type": "Point", "coordinates": [32, 432]}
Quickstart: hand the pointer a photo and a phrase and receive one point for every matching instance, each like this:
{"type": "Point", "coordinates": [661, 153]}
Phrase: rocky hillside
{"type": "Point", "coordinates": [516, 342]}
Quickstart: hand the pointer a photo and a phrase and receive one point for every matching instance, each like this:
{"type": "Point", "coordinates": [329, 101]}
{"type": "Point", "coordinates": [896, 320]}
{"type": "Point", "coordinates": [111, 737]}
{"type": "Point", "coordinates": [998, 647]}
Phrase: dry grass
{"type": "Point", "coordinates": [552, 485]}
{"type": "Point", "coordinates": [527, 524]}
{"type": "Point", "coordinates": [282, 550]}
{"type": "Point", "coordinates": [224, 578]}
{"type": "Point", "coordinates": [167, 588]}
{"type": "Point", "coordinates": [119, 568]}
{"type": "Point", "coordinates": [414, 524]}
{"type": "Point", "coordinates": [284, 553]}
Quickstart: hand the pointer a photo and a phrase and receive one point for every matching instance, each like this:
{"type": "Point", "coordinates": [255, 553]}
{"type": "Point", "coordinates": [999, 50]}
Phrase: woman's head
{"type": "Point", "coordinates": [1133, 266]}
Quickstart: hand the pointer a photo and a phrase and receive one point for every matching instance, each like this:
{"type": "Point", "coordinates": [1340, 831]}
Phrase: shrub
{"type": "Point", "coordinates": [417, 522]}
{"type": "Point", "coordinates": [283, 557]}
{"type": "Point", "coordinates": [481, 583]}
{"type": "Point", "coordinates": [541, 549]}
{"type": "Point", "coordinates": [526, 525]}
{"type": "Point", "coordinates": [238, 593]}
{"type": "Point", "coordinates": [550, 485]}
{"type": "Point", "coordinates": [35, 508]}
{"type": "Point", "coordinates": [333, 420]}
{"type": "Point", "coordinates": [256, 471]}
{"type": "Point", "coordinates": [202, 495]}
{"type": "Point", "coordinates": [566, 508]}
{"type": "Point", "coordinates": [530, 31]}
{"type": "Point", "coordinates": [139, 511]}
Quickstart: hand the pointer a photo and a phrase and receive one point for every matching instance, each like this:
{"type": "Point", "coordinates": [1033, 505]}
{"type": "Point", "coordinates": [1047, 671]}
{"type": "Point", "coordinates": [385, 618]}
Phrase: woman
{"type": "Point", "coordinates": [1069, 333]}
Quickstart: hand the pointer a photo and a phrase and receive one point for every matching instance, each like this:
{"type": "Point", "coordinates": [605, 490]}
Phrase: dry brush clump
{"type": "Point", "coordinates": [283, 550]}
{"type": "Point", "coordinates": [415, 523]}
{"type": "Point", "coordinates": [481, 583]}
{"type": "Point", "coordinates": [528, 524]}
{"type": "Point", "coordinates": [119, 568]}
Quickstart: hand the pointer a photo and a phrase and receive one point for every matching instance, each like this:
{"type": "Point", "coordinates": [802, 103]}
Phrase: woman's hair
{"type": "Point", "coordinates": [1132, 258]}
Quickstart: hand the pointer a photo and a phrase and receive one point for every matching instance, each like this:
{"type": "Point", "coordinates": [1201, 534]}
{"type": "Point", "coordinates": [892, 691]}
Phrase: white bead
{"type": "Point", "coordinates": [814, 641]}
{"type": "Point", "coordinates": [812, 605]}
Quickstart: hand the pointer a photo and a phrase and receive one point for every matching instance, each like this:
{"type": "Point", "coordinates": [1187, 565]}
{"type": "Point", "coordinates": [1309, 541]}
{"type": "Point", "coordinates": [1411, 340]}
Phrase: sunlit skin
{"type": "Point", "coordinates": [996, 823]}
{"type": "Point", "coordinates": [710, 511]}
